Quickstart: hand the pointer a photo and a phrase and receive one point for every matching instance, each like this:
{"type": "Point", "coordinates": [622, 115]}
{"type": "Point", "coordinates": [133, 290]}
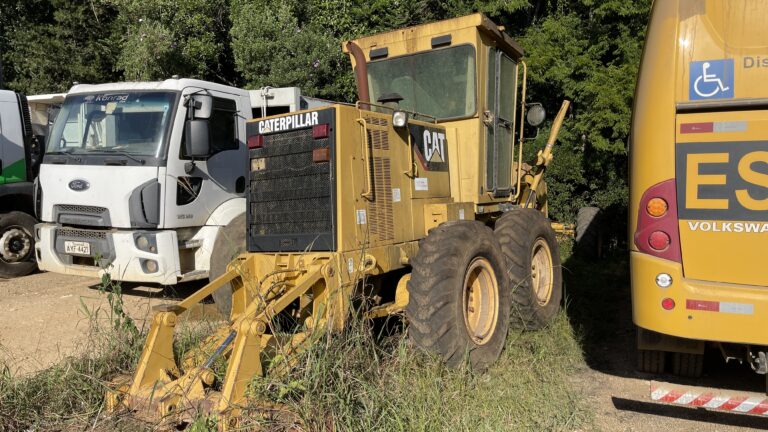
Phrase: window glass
{"type": "Point", "coordinates": [132, 122]}
{"type": "Point", "coordinates": [222, 127]}
{"type": "Point", "coordinates": [439, 83]}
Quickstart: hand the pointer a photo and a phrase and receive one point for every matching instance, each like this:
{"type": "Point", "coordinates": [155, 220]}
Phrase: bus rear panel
{"type": "Point", "coordinates": [699, 177]}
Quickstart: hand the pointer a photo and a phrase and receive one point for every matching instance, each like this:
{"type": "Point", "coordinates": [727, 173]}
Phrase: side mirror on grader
{"type": "Point", "coordinates": [425, 183]}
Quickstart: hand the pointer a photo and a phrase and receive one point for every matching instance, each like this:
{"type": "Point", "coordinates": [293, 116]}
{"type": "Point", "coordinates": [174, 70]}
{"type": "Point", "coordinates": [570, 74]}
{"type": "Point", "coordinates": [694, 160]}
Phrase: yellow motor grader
{"type": "Point", "coordinates": [414, 200]}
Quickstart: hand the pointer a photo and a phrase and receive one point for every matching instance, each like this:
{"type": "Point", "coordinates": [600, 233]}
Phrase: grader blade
{"type": "Point", "coordinates": [166, 390]}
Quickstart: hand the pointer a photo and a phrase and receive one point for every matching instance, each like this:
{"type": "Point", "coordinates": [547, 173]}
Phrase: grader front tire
{"type": "Point", "coordinates": [459, 300]}
{"type": "Point", "coordinates": [533, 267]}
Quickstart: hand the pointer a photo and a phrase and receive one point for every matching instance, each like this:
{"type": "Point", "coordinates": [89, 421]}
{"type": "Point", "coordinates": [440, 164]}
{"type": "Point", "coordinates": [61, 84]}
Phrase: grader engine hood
{"type": "Point", "coordinates": [291, 202]}
{"type": "Point", "coordinates": [101, 196]}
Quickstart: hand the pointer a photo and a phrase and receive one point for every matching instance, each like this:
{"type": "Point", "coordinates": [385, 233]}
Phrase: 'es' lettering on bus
{"type": "Point", "coordinates": [725, 181]}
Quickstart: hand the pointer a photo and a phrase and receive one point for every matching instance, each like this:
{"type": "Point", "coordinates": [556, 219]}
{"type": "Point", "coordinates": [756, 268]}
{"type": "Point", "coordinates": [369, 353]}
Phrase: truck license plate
{"type": "Point", "coordinates": [76, 247]}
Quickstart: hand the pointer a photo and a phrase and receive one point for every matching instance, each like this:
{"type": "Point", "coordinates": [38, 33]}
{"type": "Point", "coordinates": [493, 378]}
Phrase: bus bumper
{"type": "Point", "coordinates": [707, 311]}
{"type": "Point", "coordinates": [115, 251]}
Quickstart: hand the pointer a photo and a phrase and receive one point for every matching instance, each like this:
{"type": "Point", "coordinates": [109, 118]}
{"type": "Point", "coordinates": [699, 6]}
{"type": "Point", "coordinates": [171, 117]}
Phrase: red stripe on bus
{"type": "Point", "coordinates": [672, 396]}
{"type": "Point", "coordinates": [704, 305]}
{"type": "Point", "coordinates": [732, 403]}
{"type": "Point", "coordinates": [761, 408]}
{"type": "Point", "coordinates": [701, 400]}
{"type": "Point", "coordinates": [686, 128]}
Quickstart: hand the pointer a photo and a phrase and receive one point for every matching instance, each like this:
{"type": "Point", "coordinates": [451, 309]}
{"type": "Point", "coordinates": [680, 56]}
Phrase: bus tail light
{"type": "Point", "coordinates": [657, 230]}
{"type": "Point", "coordinates": [657, 207]}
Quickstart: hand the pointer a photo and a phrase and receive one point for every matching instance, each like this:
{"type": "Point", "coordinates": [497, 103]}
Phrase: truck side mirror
{"type": "Point", "coordinates": [200, 106]}
{"type": "Point", "coordinates": [197, 141]}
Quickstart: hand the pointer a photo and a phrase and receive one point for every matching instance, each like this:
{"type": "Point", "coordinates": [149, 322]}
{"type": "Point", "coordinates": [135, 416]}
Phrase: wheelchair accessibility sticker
{"type": "Point", "coordinates": [711, 79]}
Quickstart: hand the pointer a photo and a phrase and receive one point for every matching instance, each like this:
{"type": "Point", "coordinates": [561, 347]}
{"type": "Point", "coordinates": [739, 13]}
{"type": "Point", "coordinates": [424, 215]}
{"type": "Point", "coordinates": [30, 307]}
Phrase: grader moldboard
{"type": "Point", "coordinates": [421, 184]}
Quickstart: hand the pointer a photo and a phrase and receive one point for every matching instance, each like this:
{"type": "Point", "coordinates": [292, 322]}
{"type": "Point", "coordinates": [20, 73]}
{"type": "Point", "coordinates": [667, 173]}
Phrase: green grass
{"type": "Point", "coordinates": [356, 380]}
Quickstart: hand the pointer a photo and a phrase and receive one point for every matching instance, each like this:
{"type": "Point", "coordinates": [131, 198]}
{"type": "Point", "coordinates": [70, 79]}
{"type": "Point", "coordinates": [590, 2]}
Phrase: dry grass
{"type": "Point", "coordinates": [364, 379]}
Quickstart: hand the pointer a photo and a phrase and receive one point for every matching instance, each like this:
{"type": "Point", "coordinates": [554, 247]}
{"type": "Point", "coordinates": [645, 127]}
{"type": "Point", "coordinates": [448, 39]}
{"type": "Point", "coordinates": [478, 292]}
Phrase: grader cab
{"type": "Point", "coordinates": [413, 201]}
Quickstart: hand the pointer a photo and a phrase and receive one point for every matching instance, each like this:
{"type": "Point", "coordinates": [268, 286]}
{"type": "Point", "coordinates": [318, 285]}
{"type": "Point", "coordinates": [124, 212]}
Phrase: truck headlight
{"type": "Point", "coordinates": [145, 242]}
{"type": "Point", "coordinates": [399, 119]}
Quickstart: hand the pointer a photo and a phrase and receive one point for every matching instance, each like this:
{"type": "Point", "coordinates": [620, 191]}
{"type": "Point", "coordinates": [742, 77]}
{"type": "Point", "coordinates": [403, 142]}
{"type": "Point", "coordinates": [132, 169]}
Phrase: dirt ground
{"type": "Point", "coordinates": [42, 317]}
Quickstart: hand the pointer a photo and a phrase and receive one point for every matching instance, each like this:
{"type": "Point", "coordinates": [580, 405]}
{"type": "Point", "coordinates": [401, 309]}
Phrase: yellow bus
{"type": "Point", "coordinates": [699, 186]}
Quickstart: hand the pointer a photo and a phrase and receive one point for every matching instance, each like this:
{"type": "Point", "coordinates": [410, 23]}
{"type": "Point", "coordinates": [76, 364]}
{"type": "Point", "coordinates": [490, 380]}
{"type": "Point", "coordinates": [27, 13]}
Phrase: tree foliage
{"type": "Point", "coordinates": [585, 50]}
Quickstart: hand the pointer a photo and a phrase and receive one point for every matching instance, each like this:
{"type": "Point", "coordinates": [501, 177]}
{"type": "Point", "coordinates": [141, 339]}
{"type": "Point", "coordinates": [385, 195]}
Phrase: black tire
{"type": "Point", "coordinates": [651, 361]}
{"type": "Point", "coordinates": [228, 245]}
{"type": "Point", "coordinates": [17, 244]}
{"type": "Point", "coordinates": [439, 312]}
{"type": "Point", "coordinates": [521, 233]}
{"type": "Point", "coordinates": [588, 232]}
{"type": "Point", "coordinates": [687, 365]}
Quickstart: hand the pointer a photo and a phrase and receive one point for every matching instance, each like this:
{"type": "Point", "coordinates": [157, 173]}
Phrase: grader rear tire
{"type": "Point", "coordinates": [459, 301]}
{"type": "Point", "coordinates": [228, 245]}
{"type": "Point", "coordinates": [533, 267]}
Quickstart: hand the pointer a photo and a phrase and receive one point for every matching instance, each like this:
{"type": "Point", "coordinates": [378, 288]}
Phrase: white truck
{"type": "Point", "coordinates": [146, 180]}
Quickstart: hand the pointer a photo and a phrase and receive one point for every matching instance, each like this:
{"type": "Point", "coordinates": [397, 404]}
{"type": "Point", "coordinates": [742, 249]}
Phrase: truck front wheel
{"type": "Point", "coordinates": [230, 242]}
{"type": "Point", "coordinates": [17, 244]}
{"type": "Point", "coordinates": [459, 298]}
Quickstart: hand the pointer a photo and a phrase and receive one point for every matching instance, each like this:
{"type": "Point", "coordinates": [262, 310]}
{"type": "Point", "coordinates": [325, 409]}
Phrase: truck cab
{"type": "Point", "coordinates": [139, 178]}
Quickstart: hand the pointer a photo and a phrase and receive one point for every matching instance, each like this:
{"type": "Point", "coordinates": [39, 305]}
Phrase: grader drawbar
{"type": "Point", "coordinates": [413, 201]}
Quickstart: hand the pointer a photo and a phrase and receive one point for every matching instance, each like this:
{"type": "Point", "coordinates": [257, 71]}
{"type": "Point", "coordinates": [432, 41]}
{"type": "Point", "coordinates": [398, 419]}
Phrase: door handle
{"type": "Point", "coordinates": [488, 118]}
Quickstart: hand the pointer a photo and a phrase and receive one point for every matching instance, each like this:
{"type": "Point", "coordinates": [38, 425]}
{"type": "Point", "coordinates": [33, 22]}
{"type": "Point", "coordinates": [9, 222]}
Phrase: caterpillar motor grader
{"type": "Point", "coordinates": [412, 200]}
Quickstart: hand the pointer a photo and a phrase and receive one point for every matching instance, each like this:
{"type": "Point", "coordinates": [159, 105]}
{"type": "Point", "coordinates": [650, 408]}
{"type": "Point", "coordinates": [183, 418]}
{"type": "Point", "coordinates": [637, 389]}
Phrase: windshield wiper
{"type": "Point", "coordinates": [122, 153]}
{"type": "Point", "coordinates": [67, 153]}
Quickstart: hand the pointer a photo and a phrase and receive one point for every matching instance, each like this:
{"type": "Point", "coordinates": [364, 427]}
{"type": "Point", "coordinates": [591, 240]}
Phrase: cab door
{"type": "Point", "coordinates": [500, 124]}
{"type": "Point", "coordinates": [195, 188]}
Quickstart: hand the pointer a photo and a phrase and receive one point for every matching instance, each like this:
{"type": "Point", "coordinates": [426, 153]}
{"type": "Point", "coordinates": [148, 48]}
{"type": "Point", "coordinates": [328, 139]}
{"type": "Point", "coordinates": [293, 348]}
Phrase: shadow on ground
{"type": "Point", "coordinates": [599, 306]}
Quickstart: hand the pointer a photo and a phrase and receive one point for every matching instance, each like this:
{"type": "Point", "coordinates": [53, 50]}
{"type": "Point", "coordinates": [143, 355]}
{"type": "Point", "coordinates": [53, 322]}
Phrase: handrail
{"type": "Point", "coordinates": [518, 189]}
{"type": "Point", "coordinates": [359, 105]}
{"type": "Point", "coordinates": [367, 159]}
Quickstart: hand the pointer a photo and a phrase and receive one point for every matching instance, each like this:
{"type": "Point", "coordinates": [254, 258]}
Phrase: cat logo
{"type": "Point", "coordinates": [434, 146]}
{"type": "Point", "coordinates": [430, 146]}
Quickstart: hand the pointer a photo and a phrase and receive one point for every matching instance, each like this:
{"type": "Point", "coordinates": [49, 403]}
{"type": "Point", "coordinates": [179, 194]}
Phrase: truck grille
{"type": "Point", "coordinates": [80, 209]}
{"type": "Point", "coordinates": [81, 234]}
{"type": "Point", "coordinates": [291, 198]}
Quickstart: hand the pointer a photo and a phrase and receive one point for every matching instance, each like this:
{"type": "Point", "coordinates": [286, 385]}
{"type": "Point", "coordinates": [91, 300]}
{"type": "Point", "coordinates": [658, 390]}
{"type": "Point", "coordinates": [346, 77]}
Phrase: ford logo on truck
{"type": "Point", "coordinates": [79, 185]}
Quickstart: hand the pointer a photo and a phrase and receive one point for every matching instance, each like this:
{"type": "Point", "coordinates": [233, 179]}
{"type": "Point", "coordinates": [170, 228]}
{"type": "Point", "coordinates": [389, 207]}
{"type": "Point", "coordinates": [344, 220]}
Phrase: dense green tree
{"type": "Point", "coordinates": [585, 50]}
{"type": "Point", "coordinates": [50, 44]}
{"type": "Point", "coordinates": [161, 38]}
{"type": "Point", "coordinates": [588, 51]}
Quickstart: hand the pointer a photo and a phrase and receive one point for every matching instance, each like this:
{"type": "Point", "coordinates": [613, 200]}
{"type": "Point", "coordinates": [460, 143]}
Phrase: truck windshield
{"type": "Point", "coordinates": [439, 83]}
{"type": "Point", "coordinates": [133, 123]}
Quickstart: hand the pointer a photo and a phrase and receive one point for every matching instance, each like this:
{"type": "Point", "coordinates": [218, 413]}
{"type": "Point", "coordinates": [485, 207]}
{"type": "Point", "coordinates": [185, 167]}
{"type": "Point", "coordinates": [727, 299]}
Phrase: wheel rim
{"type": "Point", "coordinates": [15, 245]}
{"type": "Point", "coordinates": [481, 300]}
{"type": "Point", "coordinates": [542, 273]}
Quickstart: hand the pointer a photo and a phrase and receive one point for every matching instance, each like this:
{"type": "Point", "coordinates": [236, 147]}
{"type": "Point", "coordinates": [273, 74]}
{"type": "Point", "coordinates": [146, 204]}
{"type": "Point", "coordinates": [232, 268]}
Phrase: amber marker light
{"type": "Point", "coordinates": [656, 207]}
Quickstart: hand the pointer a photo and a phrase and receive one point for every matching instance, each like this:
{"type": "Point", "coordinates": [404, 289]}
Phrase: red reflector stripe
{"type": "Point", "coordinates": [704, 305]}
{"type": "Point", "coordinates": [255, 141]}
{"type": "Point", "coordinates": [686, 128]}
{"type": "Point", "coordinates": [320, 131]}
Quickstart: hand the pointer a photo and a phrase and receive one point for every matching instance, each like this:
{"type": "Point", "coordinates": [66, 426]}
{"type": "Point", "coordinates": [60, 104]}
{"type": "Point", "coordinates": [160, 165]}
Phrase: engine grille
{"type": "Point", "coordinates": [291, 198]}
